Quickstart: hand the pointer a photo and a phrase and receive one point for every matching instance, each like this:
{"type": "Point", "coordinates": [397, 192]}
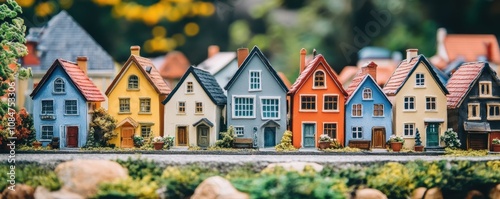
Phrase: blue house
{"type": "Point", "coordinates": [256, 100]}
{"type": "Point", "coordinates": [368, 110]}
{"type": "Point", "coordinates": [63, 100]}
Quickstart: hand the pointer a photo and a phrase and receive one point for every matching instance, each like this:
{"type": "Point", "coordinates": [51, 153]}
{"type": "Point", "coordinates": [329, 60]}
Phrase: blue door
{"type": "Point", "coordinates": [269, 136]}
{"type": "Point", "coordinates": [308, 134]}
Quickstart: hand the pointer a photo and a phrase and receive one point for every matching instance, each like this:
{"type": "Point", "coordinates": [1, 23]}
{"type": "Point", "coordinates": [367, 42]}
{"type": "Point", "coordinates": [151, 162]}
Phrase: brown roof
{"type": "Point", "coordinates": [174, 66]}
{"type": "Point", "coordinates": [285, 80]}
{"type": "Point", "coordinates": [461, 81]}
{"type": "Point", "coordinates": [82, 82]}
{"type": "Point", "coordinates": [153, 76]}
{"type": "Point", "coordinates": [472, 46]}
{"type": "Point", "coordinates": [347, 73]}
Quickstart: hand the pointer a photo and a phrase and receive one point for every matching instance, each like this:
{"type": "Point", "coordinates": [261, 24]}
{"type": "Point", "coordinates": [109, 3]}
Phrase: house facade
{"type": "Point", "coordinates": [368, 114]}
{"type": "Point", "coordinates": [63, 100]}
{"type": "Point", "coordinates": [418, 98]}
{"type": "Point", "coordinates": [256, 102]}
{"type": "Point", "coordinates": [194, 109]}
{"type": "Point", "coordinates": [222, 65]}
{"type": "Point", "coordinates": [317, 103]}
{"type": "Point", "coordinates": [135, 100]}
{"type": "Point", "coordinates": [474, 105]}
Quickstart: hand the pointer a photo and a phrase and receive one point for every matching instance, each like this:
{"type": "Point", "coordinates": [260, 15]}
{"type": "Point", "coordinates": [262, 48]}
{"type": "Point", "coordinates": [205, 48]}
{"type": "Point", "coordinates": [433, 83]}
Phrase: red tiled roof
{"type": "Point", "coordinates": [347, 73]}
{"type": "Point", "coordinates": [400, 75]}
{"type": "Point", "coordinates": [174, 66]}
{"type": "Point", "coordinates": [471, 46]}
{"type": "Point", "coordinates": [355, 82]}
{"type": "Point", "coordinates": [461, 81]}
{"type": "Point", "coordinates": [285, 80]}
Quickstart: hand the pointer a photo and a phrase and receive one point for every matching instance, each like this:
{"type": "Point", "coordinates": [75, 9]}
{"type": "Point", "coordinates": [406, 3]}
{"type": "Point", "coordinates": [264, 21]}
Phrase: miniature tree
{"type": "Point", "coordinates": [286, 143]}
{"type": "Point", "coordinates": [227, 138]}
{"type": "Point", "coordinates": [450, 139]}
{"type": "Point", "coordinates": [418, 142]}
{"type": "Point", "coordinates": [103, 125]}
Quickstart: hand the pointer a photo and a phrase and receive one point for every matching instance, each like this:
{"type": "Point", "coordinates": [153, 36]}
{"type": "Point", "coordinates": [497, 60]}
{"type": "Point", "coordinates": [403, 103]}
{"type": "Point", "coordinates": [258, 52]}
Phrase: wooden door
{"type": "Point", "coordinates": [378, 138]}
{"type": "Point", "coordinates": [477, 141]}
{"type": "Point", "coordinates": [308, 134]}
{"type": "Point", "coordinates": [127, 137]}
{"type": "Point", "coordinates": [72, 136]}
{"type": "Point", "coordinates": [269, 136]}
{"type": "Point", "coordinates": [432, 134]}
{"type": "Point", "coordinates": [203, 138]}
{"type": "Point", "coordinates": [182, 137]}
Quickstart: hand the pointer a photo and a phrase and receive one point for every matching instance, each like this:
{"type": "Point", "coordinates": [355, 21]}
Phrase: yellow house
{"type": "Point", "coordinates": [419, 101]}
{"type": "Point", "coordinates": [135, 100]}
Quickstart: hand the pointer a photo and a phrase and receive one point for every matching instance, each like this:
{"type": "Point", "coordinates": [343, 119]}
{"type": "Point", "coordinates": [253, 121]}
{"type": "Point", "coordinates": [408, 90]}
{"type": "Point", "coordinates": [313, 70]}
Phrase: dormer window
{"type": "Point", "coordinates": [367, 94]}
{"type": "Point", "coordinates": [133, 82]}
{"type": "Point", "coordinates": [484, 89]}
{"type": "Point", "coordinates": [189, 87]}
{"type": "Point", "coordinates": [419, 80]}
{"type": "Point", "coordinates": [319, 79]}
{"type": "Point", "coordinates": [59, 86]}
{"type": "Point", "coordinates": [255, 80]}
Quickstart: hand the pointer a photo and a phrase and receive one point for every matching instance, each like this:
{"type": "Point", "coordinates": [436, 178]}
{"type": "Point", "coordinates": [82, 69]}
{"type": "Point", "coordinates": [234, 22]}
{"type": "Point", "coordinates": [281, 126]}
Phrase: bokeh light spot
{"type": "Point", "coordinates": [191, 29]}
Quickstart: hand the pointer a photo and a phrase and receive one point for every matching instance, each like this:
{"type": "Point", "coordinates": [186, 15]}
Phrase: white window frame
{"type": "Point", "coordinates": [435, 103]}
{"type": "Point", "coordinates": [59, 82]}
{"type": "Point", "coordinates": [315, 103]}
{"type": "Point", "coordinates": [66, 108]}
{"type": "Point", "coordinates": [236, 131]}
{"type": "Point", "coordinates": [336, 128]}
{"type": "Point", "coordinates": [469, 111]}
{"type": "Point", "coordinates": [356, 130]}
{"type": "Point", "coordinates": [140, 105]}
{"type": "Point", "coordinates": [383, 110]}
{"type": "Point", "coordinates": [413, 129]}
{"type": "Point", "coordinates": [488, 84]}
{"type": "Point", "coordinates": [45, 113]}
{"type": "Point", "coordinates": [187, 88]}
{"type": "Point", "coordinates": [278, 116]}
{"type": "Point", "coordinates": [324, 100]}
{"type": "Point", "coordinates": [233, 106]}
{"type": "Point", "coordinates": [368, 91]}
{"type": "Point", "coordinates": [179, 106]}
{"type": "Point", "coordinates": [250, 80]}
{"type": "Point", "coordinates": [196, 108]}
{"type": "Point", "coordinates": [314, 80]}
{"type": "Point", "coordinates": [414, 103]}
{"type": "Point", "coordinates": [352, 110]}
{"type": "Point", "coordinates": [42, 132]}
{"type": "Point", "coordinates": [422, 80]}
{"type": "Point", "coordinates": [488, 115]}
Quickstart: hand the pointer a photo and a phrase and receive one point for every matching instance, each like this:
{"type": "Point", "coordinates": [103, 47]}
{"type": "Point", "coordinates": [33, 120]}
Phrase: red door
{"type": "Point", "coordinates": [72, 136]}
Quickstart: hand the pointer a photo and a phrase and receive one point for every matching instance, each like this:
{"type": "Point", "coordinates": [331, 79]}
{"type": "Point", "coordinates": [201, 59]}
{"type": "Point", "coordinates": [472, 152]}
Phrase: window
{"type": "Point", "coordinates": [243, 107]}
{"type": "Point", "coordinates": [420, 79]}
{"type": "Point", "coordinates": [70, 107]}
{"type": "Point", "coordinates": [47, 107]}
{"type": "Point", "coordinates": [493, 111]}
{"type": "Point", "coordinates": [367, 94]}
{"type": "Point", "coordinates": [270, 108]}
{"type": "Point", "coordinates": [125, 105]}
{"type": "Point", "coordinates": [409, 103]}
{"type": "Point", "coordinates": [319, 79]}
{"type": "Point", "coordinates": [181, 108]}
{"type": "Point", "coordinates": [307, 102]}
{"type": "Point", "coordinates": [331, 102]}
{"type": "Point", "coordinates": [330, 129]}
{"type": "Point", "coordinates": [198, 107]}
{"type": "Point", "coordinates": [254, 80]}
{"type": "Point", "coordinates": [239, 131]}
{"type": "Point", "coordinates": [357, 132]}
{"type": "Point", "coordinates": [145, 105]}
{"type": "Point", "coordinates": [484, 88]}
{"type": "Point", "coordinates": [409, 129]}
{"type": "Point", "coordinates": [378, 110]}
{"type": "Point", "coordinates": [430, 103]}
{"type": "Point", "coordinates": [133, 82]}
{"type": "Point", "coordinates": [145, 132]}
{"type": "Point", "coordinates": [59, 86]}
{"type": "Point", "coordinates": [356, 110]}
{"type": "Point", "coordinates": [47, 132]}
{"type": "Point", "coordinates": [474, 111]}
{"type": "Point", "coordinates": [189, 87]}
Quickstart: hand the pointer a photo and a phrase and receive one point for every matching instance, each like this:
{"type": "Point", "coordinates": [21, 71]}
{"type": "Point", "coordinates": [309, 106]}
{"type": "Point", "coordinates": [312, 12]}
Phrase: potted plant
{"type": "Point", "coordinates": [169, 141]}
{"type": "Point", "coordinates": [495, 145]}
{"type": "Point", "coordinates": [158, 143]}
{"type": "Point", "coordinates": [138, 141]}
{"type": "Point", "coordinates": [324, 141]}
{"type": "Point", "coordinates": [418, 142]}
{"type": "Point", "coordinates": [396, 143]}
{"type": "Point", "coordinates": [37, 144]}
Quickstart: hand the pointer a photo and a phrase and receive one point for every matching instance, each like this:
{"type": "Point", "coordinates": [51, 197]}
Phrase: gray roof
{"type": "Point", "coordinates": [217, 62]}
{"type": "Point", "coordinates": [63, 38]}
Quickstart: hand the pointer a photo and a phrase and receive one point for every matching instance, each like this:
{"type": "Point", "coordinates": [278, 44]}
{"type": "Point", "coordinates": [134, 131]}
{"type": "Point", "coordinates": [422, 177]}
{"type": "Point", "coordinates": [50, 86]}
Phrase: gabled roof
{"type": "Point", "coordinates": [204, 121]}
{"type": "Point", "coordinates": [310, 69]}
{"type": "Point", "coordinates": [359, 80]}
{"type": "Point", "coordinates": [404, 71]}
{"type": "Point", "coordinates": [217, 62]}
{"type": "Point", "coordinates": [472, 46]}
{"type": "Point", "coordinates": [256, 52]}
{"type": "Point", "coordinates": [63, 38]}
{"type": "Point", "coordinates": [81, 81]}
{"type": "Point", "coordinates": [461, 82]}
{"type": "Point", "coordinates": [206, 81]}
{"type": "Point", "coordinates": [128, 120]}
{"type": "Point", "coordinates": [174, 65]}
{"type": "Point", "coordinates": [153, 76]}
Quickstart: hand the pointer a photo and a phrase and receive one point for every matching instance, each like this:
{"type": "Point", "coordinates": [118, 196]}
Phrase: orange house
{"type": "Point", "coordinates": [317, 103]}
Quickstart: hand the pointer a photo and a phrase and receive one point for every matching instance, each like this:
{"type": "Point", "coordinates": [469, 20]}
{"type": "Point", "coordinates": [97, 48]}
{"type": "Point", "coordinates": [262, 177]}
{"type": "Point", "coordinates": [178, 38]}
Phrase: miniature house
{"type": "Point", "coordinates": [368, 114]}
{"type": "Point", "coordinates": [135, 100]}
{"type": "Point", "coordinates": [256, 100]}
{"type": "Point", "coordinates": [63, 100]}
{"type": "Point", "coordinates": [317, 103]}
{"type": "Point", "coordinates": [418, 98]}
{"type": "Point", "coordinates": [474, 105]}
{"type": "Point", "coordinates": [194, 109]}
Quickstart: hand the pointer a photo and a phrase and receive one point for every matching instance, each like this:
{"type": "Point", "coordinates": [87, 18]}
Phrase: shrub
{"type": "Point", "coordinates": [227, 138]}
{"type": "Point", "coordinates": [286, 143]}
{"type": "Point", "coordinates": [103, 125]}
{"type": "Point", "coordinates": [181, 182]}
{"type": "Point", "coordinates": [392, 179]}
{"type": "Point", "coordinates": [450, 139]}
{"type": "Point", "coordinates": [32, 175]}
{"type": "Point", "coordinates": [139, 168]}
{"type": "Point", "coordinates": [129, 188]}
{"type": "Point", "coordinates": [138, 141]}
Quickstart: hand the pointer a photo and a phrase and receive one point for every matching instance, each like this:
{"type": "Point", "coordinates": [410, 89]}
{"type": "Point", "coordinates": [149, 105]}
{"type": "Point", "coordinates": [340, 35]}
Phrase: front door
{"type": "Point", "coordinates": [182, 139]}
{"type": "Point", "coordinates": [269, 136]}
{"type": "Point", "coordinates": [432, 134]}
{"type": "Point", "coordinates": [308, 134]}
{"type": "Point", "coordinates": [378, 138]}
{"type": "Point", "coordinates": [477, 141]}
{"type": "Point", "coordinates": [72, 136]}
{"type": "Point", "coordinates": [203, 138]}
{"type": "Point", "coordinates": [127, 137]}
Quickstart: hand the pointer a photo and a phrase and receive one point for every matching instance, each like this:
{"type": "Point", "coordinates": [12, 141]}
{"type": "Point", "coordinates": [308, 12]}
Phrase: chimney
{"type": "Point", "coordinates": [370, 69]}
{"type": "Point", "coordinates": [81, 61]}
{"type": "Point", "coordinates": [441, 49]}
{"type": "Point", "coordinates": [303, 53]}
{"type": "Point", "coordinates": [135, 50]}
{"type": "Point", "coordinates": [314, 53]}
{"type": "Point", "coordinates": [242, 54]}
{"type": "Point", "coordinates": [411, 53]}
{"type": "Point", "coordinates": [212, 50]}
{"type": "Point", "coordinates": [489, 51]}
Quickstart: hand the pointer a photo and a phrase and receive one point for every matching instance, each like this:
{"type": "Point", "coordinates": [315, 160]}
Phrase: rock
{"type": "Point", "coordinates": [369, 194]}
{"type": "Point", "coordinates": [495, 192]}
{"type": "Point", "coordinates": [217, 187]}
{"type": "Point", "coordinates": [43, 193]}
{"type": "Point", "coordinates": [432, 193]}
{"type": "Point", "coordinates": [296, 166]}
{"type": "Point", "coordinates": [21, 191]}
{"type": "Point", "coordinates": [84, 176]}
